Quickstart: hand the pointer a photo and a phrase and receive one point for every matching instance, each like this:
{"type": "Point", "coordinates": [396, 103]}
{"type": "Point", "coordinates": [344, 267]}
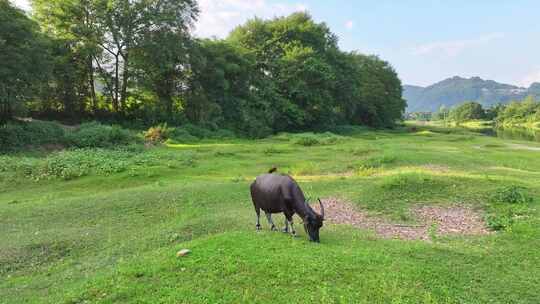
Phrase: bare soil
{"type": "Point", "coordinates": [432, 220]}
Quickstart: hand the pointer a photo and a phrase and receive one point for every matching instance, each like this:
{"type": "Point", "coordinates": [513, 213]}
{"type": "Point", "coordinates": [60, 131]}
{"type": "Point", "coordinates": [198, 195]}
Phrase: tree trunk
{"type": "Point", "coordinates": [125, 78]}
{"type": "Point", "coordinates": [92, 85]}
{"type": "Point", "coordinates": [116, 84]}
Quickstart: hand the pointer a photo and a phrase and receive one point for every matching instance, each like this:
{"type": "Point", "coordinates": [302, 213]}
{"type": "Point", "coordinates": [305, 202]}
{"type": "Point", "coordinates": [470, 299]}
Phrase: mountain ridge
{"type": "Point", "coordinates": [455, 90]}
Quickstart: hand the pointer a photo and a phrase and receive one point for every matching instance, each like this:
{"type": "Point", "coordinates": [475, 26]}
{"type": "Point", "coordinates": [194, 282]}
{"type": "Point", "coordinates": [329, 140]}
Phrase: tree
{"type": "Point", "coordinates": [380, 103]}
{"type": "Point", "coordinates": [317, 84]}
{"type": "Point", "coordinates": [467, 111]}
{"type": "Point", "coordinates": [107, 32]}
{"type": "Point", "coordinates": [224, 88]}
{"type": "Point", "coordinates": [71, 24]}
{"type": "Point", "coordinates": [442, 114]}
{"type": "Point", "coordinates": [24, 60]}
{"type": "Point", "coordinates": [161, 56]}
{"type": "Point", "coordinates": [292, 53]}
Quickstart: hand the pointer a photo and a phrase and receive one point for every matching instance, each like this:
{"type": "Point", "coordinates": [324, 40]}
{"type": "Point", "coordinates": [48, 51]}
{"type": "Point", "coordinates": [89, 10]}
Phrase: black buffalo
{"type": "Point", "coordinates": [275, 193]}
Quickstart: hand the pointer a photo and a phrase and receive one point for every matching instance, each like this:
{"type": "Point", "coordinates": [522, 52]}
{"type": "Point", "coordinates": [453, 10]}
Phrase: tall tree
{"type": "Point", "coordinates": [24, 60]}
{"type": "Point", "coordinates": [106, 32]}
{"type": "Point", "coordinates": [161, 54]}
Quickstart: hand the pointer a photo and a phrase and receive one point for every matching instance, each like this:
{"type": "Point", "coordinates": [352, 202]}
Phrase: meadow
{"type": "Point", "coordinates": [103, 225]}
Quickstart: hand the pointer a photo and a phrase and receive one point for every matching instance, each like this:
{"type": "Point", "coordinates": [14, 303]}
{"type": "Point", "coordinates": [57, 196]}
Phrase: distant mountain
{"type": "Point", "coordinates": [455, 90]}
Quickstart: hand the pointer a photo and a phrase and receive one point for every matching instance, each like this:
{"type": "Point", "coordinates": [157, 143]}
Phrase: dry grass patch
{"type": "Point", "coordinates": [432, 221]}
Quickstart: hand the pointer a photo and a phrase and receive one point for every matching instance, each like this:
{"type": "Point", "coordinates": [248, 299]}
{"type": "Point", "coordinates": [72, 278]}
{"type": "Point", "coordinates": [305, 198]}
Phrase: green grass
{"type": "Point", "coordinates": [111, 235]}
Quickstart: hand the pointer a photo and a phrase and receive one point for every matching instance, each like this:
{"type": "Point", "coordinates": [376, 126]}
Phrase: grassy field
{"type": "Point", "coordinates": [109, 232]}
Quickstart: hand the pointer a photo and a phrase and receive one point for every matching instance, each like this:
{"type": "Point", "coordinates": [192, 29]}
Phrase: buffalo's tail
{"type": "Point", "coordinates": [272, 170]}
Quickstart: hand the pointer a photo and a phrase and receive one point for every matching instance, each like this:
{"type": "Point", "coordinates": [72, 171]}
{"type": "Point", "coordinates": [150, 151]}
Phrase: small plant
{"type": "Point", "coordinates": [512, 195]}
{"type": "Point", "coordinates": [366, 171]}
{"type": "Point", "coordinates": [157, 134]}
{"type": "Point", "coordinates": [432, 231]}
{"type": "Point", "coordinates": [507, 204]}
{"type": "Point", "coordinates": [378, 161]}
{"type": "Point", "coordinates": [272, 150]}
{"type": "Point", "coordinates": [309, 168]}
{"type": "Point", "coordinates": [307, 141]}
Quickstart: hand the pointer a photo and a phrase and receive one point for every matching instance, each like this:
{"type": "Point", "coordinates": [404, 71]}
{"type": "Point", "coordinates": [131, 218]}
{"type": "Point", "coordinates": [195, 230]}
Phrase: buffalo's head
{"type": "Point", "coordinates": [313, 222]}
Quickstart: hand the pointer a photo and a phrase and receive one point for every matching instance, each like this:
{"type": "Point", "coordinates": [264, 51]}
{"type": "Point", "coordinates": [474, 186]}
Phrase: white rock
{"type": "Point", "coordinates": [183, 252]}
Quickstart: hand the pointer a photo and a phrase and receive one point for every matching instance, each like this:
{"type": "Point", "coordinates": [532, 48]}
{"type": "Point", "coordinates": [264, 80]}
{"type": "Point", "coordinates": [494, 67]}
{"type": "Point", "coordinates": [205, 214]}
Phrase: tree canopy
{"type": "Point", "coordinates": [139, 60]}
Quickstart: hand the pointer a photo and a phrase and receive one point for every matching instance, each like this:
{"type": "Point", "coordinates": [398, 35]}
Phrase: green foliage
{"type": "Point", "coordinates": [314, 139]}
{"type": "Point", "coordinates": [94, 134]}
{"type": "Point", "coordinates": [283, 74]}
{"type": "Point", "coordinates": [467, 111]}
{"type": "Point", "coordinates": [511, 195]}
{"type": "Point", "coordinates": [507, 204]}
{"type": "Point", "coordinates": [19, 134]}
{"type": "Point", "coordinates": [182, 135]}
{"type": "Point", "coordinates": [24, 58]}
{"type": "Point", "coordinates": [307, 140]}
{"type": "Point", "coordinates": [523, 113]}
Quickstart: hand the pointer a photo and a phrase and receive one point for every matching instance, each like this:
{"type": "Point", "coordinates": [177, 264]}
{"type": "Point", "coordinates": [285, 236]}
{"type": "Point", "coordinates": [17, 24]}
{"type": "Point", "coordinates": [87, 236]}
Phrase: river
{"type": "Point", "coordinates": [514, 133]}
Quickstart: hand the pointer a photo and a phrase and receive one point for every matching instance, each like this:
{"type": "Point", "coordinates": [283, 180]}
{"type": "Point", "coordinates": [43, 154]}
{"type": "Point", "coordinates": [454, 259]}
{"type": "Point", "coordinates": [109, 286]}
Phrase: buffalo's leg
{"type": "Point", "coordinates": [289, 221]}
{"type": "Point", "coordinates": [293, 232]}
{"type": "Point", "coordinates": [286, 229]}
{"type": "Point", "coordinates": [270, 222]}
{"type": "Point", "coordinates": [258, 212]}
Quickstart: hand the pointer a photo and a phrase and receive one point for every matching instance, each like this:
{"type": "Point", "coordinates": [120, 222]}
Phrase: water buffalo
{"type": "Point", "coordinates": [275, 193]}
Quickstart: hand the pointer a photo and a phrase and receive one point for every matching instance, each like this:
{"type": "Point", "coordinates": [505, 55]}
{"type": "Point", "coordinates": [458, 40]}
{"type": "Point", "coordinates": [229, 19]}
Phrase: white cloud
{"type": "Point", "coordinates": [349, 24]}
{"type": "Point", "coordinates": [219, 17]}
{"type": "Point", "coordinates": [23, 4]}
{"type": "Point", "coordinates": [455, 47]}
{"type": "Point", "coordinates": [533, 76]}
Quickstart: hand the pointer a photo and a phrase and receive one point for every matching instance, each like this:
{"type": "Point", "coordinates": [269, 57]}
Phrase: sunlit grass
{"type": "Point", "coordinates": [112, 238]}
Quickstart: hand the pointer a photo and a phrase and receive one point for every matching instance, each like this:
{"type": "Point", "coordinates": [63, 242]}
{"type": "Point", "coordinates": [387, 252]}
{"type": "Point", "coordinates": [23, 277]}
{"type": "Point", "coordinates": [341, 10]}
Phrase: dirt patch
{"type": "Point", "coordinates": [440, 221]}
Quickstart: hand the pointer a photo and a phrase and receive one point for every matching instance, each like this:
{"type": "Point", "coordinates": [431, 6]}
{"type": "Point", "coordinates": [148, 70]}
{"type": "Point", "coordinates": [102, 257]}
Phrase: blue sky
{"type": "Point", "coordinates": [425, 40]}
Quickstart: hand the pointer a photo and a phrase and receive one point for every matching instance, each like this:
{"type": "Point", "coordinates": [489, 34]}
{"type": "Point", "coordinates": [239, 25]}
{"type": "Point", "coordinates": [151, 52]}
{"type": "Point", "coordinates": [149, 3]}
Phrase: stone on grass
{"type": "Point", "coordinates": [183, 252]}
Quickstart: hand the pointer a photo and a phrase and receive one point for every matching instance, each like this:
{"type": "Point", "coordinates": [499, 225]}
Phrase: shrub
{"type": "Point", "coordinates": [96, 135]}
{"type": "Point", "coordinates": [182, 135]}
{"type": "Point", "coordinates": [512, 195]}
{"type": "Point", "coordinates": [18, 134]}
{"type": "Point", "coordinates": [348, 130]}
{"type": "Point", "coordinates": [157, 134]}
{"type": "Point", "coordinates": [307, 141]}
{"type": "Point", "coordinates": [223, 134]}
{"type": "Point", "coordinates": [502, 216]}
{"type": "Point", "coordinates": [197, 131]}
{"type": "Point", "coordinates": [507, 204]}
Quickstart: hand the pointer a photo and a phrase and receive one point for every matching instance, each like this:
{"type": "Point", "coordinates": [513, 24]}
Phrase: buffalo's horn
{"type": "Point", "coordinates": [322, 208]}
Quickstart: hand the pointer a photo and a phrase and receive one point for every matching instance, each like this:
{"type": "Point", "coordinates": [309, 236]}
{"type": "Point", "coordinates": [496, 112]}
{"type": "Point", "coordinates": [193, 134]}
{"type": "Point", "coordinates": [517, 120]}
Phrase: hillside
{"type": "Point", "coordinates": [455, 90]}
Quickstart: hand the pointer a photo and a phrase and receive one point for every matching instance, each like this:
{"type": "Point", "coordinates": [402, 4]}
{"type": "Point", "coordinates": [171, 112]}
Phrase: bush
{"type": "Point", "coordinates": [18, 134]}
{"type": "Point", "coordinates": [157, 134]}
{"type": "Point", "coordinates": [223, 134]}
{"type": "Point", "coordinates": [96, 135]}
{"type": "Point", "coordinates": [197, 131]}
{"type": "Point", "coordinates": [511, 195]}
{"type": "Point", "coordinates": [348, 130]}
{"type": "Point", "coordinates": [307, 141]}
{"type": "Point", "coordinates": [507, 204]}
{"type": "Point", "coordinates": [181, 135]}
